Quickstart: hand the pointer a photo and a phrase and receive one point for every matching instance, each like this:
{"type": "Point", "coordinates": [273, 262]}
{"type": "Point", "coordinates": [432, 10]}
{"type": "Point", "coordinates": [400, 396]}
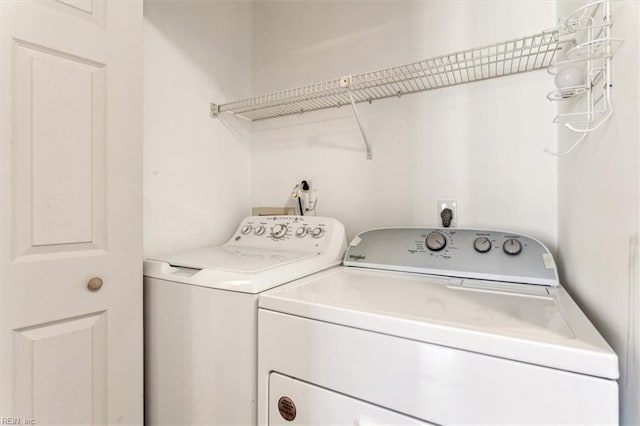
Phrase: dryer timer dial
{"type": "Point", "coordinates": [436, 241]}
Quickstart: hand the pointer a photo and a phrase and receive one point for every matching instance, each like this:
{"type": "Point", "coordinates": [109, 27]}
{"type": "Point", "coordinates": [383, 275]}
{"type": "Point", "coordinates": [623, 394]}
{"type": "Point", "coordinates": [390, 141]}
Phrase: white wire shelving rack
{"type": "Point", "coordinates": [510, 57]}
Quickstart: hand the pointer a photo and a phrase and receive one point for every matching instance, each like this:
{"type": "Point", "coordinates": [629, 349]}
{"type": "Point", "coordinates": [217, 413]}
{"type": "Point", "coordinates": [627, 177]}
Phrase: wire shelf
{"type": "Point", "coordinates": [516, 56]}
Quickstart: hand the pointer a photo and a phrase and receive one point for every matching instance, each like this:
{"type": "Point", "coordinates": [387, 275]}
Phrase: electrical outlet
{"type": "Point", "coordinates": [447, 205]}
{"type": "Point", "coordinates": [310, 197]}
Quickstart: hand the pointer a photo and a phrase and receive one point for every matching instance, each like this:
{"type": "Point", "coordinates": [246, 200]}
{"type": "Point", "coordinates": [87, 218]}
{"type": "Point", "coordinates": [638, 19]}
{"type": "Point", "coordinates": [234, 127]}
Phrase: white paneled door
{"type": "Point", "coordinates": [70, 198]}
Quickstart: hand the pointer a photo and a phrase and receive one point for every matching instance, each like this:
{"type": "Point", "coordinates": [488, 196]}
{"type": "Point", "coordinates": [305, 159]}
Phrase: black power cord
{"type": "Point", "coordinates": [305, 187]}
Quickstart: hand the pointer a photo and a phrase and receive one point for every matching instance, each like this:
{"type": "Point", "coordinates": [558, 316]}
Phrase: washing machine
{"type": "Point", "coordinates": [433, 326]}
{"type": "Point", "coordinates": [200, 316]}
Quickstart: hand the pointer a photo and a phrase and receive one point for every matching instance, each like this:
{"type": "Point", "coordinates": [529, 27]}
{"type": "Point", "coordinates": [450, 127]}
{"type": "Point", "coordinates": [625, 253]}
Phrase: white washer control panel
{"type": "Point", "coordinates": [295, 233]}
{"type": "Point", "coordinates": [464, 253]}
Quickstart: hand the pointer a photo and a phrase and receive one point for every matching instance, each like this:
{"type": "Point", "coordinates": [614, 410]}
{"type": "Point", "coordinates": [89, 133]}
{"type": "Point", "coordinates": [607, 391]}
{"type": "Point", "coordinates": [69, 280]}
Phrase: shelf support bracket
{"type": "Point", "coordinates": [214, 110]}
{"type": "Point", "coordinates": [364, 136]}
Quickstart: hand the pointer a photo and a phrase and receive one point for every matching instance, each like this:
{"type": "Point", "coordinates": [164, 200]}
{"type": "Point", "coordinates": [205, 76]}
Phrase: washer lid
{"type": "Point", "coordinates": [231, 258]}
{"type": "Point", "coordinates": [527, 323]}
{"type": "Point", "coordinates": [241, 269]}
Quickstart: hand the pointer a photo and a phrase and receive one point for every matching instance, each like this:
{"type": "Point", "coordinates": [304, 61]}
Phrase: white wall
{"type": "Point", "coordinates": [480, 144]}
{"type": "Point", "coordinates": [598, 214]}
{"type": "Point", "coordinates": [196, 171]}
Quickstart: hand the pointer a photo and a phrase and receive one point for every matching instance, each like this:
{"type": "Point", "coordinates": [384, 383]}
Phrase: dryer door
{"type": "Point", "coordinates": [294, 402]}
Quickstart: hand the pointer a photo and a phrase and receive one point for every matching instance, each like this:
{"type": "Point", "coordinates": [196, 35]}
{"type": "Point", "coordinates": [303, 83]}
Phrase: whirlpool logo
{"type": "Point", "coordinates": [356, 257]}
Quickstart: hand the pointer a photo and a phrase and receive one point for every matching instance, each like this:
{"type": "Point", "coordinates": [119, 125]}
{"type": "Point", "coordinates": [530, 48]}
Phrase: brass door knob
{"type": "Point", "coordinates": [94, 284]}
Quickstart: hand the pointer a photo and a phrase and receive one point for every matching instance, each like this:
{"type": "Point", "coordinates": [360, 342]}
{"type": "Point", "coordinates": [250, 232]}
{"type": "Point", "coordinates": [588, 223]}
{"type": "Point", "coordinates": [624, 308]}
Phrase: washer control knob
{"type": "Point", "coordinates": [482, 244]}
{"type": "Point", "coordinates": [512, 246]}
{"type": "Point", "coordinates": [260, 230]}
{"type": "Point", "coordinates": [245, 229]}
{"type": "Point", "coordinates": [436, 241]}
{"type": "Point", "coordinates": [301, 232]}
{"type": "Point", "coordinates": [317, 232]}
{"type": "Point", "coordinates": [279, 231]}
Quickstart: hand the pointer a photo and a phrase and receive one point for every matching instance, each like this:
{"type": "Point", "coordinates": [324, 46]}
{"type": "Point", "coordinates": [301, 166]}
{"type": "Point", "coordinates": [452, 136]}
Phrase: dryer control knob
{"type": "Point", "coordinates": [317, 232]}
{"type": "Point", "coordinates": [259, 230]}
{"type": "Point", "coordinates": [279, 231]}
{"type": "Point", "coordinates": [436, 241]}
{"type": "Point", "coordinates": [512, 246]}
{"type": "Point", "coordinates": [245, 229]}
{"type": "Point", "coordinates": [301, 232]}
{"type": "Point", "coordinates": [482, 244]}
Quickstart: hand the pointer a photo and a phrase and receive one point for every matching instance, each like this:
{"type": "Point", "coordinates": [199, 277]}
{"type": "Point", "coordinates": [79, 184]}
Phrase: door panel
{"type": "Point", "coordinates": [59, 150]}
{"type": "Point", "coordinates": [70, 191]}
{"type": "Point", "coordinates": [60, 370]}
{"type": "Point", "coordinates": [91, 10]}
{"type": "Point", "coordinates": [81, 5]}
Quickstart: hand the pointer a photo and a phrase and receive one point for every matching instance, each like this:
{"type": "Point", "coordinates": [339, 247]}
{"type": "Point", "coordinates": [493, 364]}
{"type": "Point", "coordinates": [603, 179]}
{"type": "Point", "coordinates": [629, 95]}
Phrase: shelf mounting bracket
{"type": "Point", "coordinates": [214, 110]}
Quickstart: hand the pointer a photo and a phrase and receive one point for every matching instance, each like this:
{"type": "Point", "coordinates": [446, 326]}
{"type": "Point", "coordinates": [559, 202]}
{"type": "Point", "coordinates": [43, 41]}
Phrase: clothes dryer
{"type": "Point", "coordinates": [433, 326]}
